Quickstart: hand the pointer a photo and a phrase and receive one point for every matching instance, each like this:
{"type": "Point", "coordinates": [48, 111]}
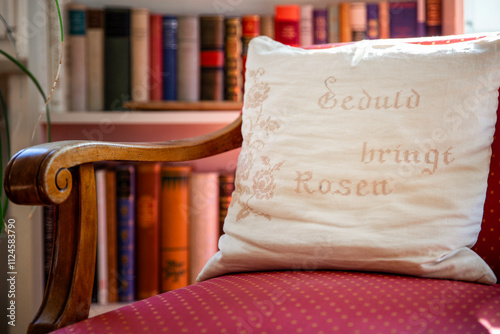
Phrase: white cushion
{"type": "Point", "coordinates": [372, 156]}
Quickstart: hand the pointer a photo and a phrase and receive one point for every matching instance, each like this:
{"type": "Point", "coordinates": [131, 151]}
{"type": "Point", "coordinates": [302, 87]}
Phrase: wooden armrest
{"type": "Point", "coordinates": [39, 175]}
{"type": "Point", "coordinates": [62, 174]}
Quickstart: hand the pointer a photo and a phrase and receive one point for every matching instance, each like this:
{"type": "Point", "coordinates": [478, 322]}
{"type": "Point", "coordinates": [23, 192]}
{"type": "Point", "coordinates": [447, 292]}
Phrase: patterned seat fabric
{"type": "Point", "coordinates": [309, 302]}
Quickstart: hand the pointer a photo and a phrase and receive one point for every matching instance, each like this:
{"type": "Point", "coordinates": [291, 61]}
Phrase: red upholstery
{"type": "Point", "coordinates": [309, 302]}
{"type": "Point", "coordinates": [488, 242]}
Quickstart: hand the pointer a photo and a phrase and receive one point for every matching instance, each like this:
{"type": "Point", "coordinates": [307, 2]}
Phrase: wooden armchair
{"type": "Point", "coordinates": [267, 300]}
{"type": "Point", "coordinates": [62, 174]}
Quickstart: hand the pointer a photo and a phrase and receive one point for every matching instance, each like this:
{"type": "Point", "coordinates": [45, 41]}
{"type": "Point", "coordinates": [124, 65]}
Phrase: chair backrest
{"type": "Point", "coordinates": [488, 243]}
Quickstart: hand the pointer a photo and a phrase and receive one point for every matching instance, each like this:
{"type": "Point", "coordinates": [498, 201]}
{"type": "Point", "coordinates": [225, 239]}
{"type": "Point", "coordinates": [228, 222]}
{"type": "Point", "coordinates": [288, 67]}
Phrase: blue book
{"type": "Point", "coordinates": [125, 196]}
{"type": "Point", "coordinates": [403, 19]}
{"type": "Point", "coordinates": [170, 25]}
{"type": "Point", "coordinates": [320, 26]}
{"type": "Point", "coordinates": [372, 21]}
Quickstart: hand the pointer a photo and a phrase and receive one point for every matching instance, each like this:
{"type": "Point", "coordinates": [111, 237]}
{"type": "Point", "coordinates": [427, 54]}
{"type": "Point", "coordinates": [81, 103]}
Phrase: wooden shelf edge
{"type": "Point", "coordinates": [183, 105]}
{"type": "Point", "coordinates": [142, 117]}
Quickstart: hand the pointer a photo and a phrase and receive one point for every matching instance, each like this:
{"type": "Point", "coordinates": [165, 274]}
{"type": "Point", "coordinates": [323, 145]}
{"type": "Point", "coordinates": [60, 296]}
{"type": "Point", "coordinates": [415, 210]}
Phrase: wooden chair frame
{"type": "Point", "coordinates": [62, 174]}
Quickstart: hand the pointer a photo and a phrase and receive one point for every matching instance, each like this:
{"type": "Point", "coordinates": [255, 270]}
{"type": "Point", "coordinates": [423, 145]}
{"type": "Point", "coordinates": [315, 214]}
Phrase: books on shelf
{"type": "Point", "coordinates": [134, 54]}
{"type": "Point", "coordinates": [158, 224]}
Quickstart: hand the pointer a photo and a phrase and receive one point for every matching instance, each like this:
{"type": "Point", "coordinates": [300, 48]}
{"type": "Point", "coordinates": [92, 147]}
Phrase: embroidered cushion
{"type": "Point", "coordinates": [370, 156]}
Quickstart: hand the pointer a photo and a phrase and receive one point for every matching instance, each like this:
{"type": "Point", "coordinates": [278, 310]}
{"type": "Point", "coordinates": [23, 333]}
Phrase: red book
{"type": "Point", "coordinates": [156, 57]}
{"type": "Point", "coordinates": [147, 239]}
{"type": "Point", "coordinates": [287, 20]}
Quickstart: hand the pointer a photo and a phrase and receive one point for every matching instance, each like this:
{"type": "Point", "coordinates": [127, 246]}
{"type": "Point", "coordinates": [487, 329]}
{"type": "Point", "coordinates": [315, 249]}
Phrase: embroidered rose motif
{"type": "Point", "coordinates": [253, 183]}
{"type": "Point", "coordinates": [263, 181]}
{"type": "Point", "coordinates": [257, 94]}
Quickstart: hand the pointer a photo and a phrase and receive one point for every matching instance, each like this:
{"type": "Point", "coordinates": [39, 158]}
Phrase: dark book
{"type": "Point", "coordinates": [320, 26]}
{"type": "Point", "coordinates": [212, 57]}
{"type": "Point", "coordinates": [125, 196]}
{"type": "Point", "coordinates": [48, 238]}
{"type": "Point", "coordinates": [170, 25]}
{"type": "Point", "coordinates": [433, 17]}
{"type": "Point", "coordinates": [116, 57]}
{"type": "Point", "coordinates": [111, 234]}
{"type": "Point", "coordinates": [174, 226]}
{"type": "Point", "coordinates": [233, 60]}
{"type": "Point", "coordinates": [403, 19]}
{"type": "Point", "coordinates": [226, 188]}
{"type": "Point", "coordinates": [147, 229]}
{"type": "Point", "coordinates": [372, 21]}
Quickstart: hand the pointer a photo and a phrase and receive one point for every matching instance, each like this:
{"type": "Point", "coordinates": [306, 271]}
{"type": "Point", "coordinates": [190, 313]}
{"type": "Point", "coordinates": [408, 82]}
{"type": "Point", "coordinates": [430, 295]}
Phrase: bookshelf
{"type": "Point", "coordinates": [137, 126]}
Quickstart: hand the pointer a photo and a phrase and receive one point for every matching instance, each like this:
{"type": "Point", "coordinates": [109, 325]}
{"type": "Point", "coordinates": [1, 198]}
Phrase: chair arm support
{"type": "Point", "coordinates": [39, 175]}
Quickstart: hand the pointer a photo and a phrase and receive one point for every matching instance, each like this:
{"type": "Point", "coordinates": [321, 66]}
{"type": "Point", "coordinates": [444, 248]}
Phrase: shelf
{"type": "Point", "coordinates": [185, 106]}
{"type": "Point", "coordinates": [144, 117]}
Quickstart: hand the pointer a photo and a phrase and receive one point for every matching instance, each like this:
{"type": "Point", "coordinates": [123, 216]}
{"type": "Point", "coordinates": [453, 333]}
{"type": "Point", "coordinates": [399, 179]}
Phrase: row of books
{"type": "Point", "coordinates": [158, 225]}
{"type": "Point", "coordinates": [353, 21]}
{"type": "Point", "coordinates": [131, 54]}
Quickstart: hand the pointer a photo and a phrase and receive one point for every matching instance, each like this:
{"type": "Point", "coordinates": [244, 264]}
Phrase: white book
{"type": "Point", "coordinates": [139, 54]}
{"type": "Point", "coordinates": [95, 60]}
{"type": "Point", "coordinates": [306, 25]}
{"type": "Point", "coordinates": [59, 99]}
{"type": "Point", "coordinates": [78, 56]}
{"type": "Point", "coordinates": [203, 220]}
{"type": "Point", "coordinates": [188, 58]}
{"type": "Point", "coordinates": [102, 241]}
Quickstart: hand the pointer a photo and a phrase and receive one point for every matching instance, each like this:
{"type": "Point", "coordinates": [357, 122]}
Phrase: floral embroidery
{"type": "Point", "coordinates": [252, 181]}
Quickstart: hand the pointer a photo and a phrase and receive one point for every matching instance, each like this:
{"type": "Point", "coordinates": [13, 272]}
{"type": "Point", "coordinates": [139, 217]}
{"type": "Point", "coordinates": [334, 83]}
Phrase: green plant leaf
{"type": "Point", "coordinates": [37, 84]}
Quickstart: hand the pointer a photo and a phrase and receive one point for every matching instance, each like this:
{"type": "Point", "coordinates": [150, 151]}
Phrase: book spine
{"type": "Point", "coordinates": [212, 57]}
{"type": "Point", "coordinates": [170, 26]}
{"type": "Point", "coordinates": [233, 80]}
{"type": "Point", "coordinates": [116, 57]}
{"type": "Point", "coordinates": [267, 25]}
{"type": "Point", "coordinates": [320, 26]}
{"type": "Point", "coordinates": [111, 234]}
{"type": "Point", "coordinates": [156, 57]}
{"type": "Point", "coordinates": [372, 21]}
{"type": "Point", "coordinates": [287, 24]}
{"type": "Point", "coordinates": [433, 9]}
{"type": "Point", "coordinates": [384, 17]}
{"type": "Point", "coordinates": [48, 239]}
{"type": "Point", "coordinates": [403, 19]}
{"type": "Point", "coordinates": [102, 242]}
{"type": "Point", "coordinates": [307, 28]}
{"type": "Point", "coordinates": [188, 58]}
{"type": "Point", "coordinates": [345, 22]}
{"type": "Point", "coordinates": [125, 195]}
{"type": "Point", "coordinates": [174, 225]}
{"type": "Point", "coordinates": [226, 188]}
{"type": "Point", "coordinates": [139, 54]}
{"type": "Point", "coordinates": [59, 100]}
{"type": "Point", "coordinates": [251, 27]}
{"type": "Point", "coordinates": [358, 21]}
{"type": "Point", "coordinates": [333, 23]}
{"type": "Point", "coordinates": [421, 23]}
{"type": "Point", "coordinates": [95, 58]}
{"type": "Point", "coordinates": [203, 220]}
{"type": "Point", "coordinates": [78, 55]}
{"type": "Point", "coordinates": [453, 17]}
{"type": "Point", "coordinates": [147, 213]}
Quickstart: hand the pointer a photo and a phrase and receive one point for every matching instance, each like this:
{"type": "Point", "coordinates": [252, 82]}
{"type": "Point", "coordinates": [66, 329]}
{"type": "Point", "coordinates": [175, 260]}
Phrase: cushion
{"type": "Point", "coordinates": [309, 302]}
{"type": "Point", "coordinates": [371, 156]}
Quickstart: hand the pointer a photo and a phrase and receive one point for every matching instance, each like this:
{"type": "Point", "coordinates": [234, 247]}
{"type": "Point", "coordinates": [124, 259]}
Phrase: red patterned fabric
{"type": "Point", "coordinates": [309, 302]}
{"type": "Point", "coordinates": [488, 242]}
